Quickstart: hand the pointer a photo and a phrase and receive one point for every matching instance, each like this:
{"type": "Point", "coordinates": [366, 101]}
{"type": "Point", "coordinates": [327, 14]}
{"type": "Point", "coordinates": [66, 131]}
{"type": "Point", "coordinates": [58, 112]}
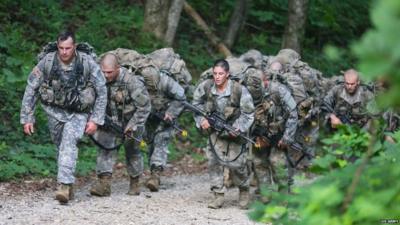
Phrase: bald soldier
{"type": "Point", "coordinates": [347, 102]}
{"type": "Point", "coordinates": [129, 107]}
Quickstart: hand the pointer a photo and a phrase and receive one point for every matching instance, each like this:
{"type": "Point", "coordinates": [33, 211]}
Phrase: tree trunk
{"type": "Point", "coordinates": [294, 31]}
{"type": "Point", "coordinates": [209, 34]}
{"type": "Point", "coordinates": [237, 20]}
{"type": "Point", "coordinates": [156, 17]}
{"type": "Point", "coordinates": [173, 21]}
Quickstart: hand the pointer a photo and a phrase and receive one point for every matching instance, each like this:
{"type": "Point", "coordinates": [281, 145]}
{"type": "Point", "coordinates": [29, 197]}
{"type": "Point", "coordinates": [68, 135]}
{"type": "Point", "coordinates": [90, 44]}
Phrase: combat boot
{"type": "Point", "coordinates": [153, 183]}
{"type": "Point", "coordinates": [244, 198]}
{"type": "Point", "coordinates": [102, 187]}
{"type": "Point", "coordinates": [64, 193]}
{"type": "Point", "coordinates": [134, 187]}
{"type": "Point", "coordinates": [218, 201]}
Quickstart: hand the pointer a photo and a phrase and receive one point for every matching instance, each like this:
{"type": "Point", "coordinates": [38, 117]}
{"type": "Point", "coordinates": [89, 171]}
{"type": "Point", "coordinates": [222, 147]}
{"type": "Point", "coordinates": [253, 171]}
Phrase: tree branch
{"type": "Point", "coordinates": [221, 47]}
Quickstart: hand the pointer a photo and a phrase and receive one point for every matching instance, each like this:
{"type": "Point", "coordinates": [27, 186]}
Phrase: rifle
{"type": "Point", "coordinates": [273, 140]}
{"type": "Point", "coordinates": [217, 122]}
{"type": "Point", "coordinates": [119, 131]}
{"type": "Point", "coordinates": [173, 123]}
{"type": "Point", "coordinates": [329, 109]}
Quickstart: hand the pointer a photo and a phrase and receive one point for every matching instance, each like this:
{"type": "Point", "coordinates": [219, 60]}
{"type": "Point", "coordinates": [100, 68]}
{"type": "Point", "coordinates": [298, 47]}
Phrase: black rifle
{"type": "Point", "coordinates": [116, 129]}
{"type": "Point", "coordinates": [217, 122]}
{"type": "Point", "coordinates": [273, 141]}
{"type": "Point", "coordinates": [172, 123]}
{"type": "Point", "coordinates": [329, 109]}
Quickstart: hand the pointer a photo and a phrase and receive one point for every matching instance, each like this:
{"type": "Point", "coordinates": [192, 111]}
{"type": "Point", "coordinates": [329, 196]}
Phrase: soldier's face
{"type": "Point", "coordinates": [351, 84]}
{"type": "Point", "coordinates": [220, 76]}
{"type": "Point", "coordinates": [66, 50]}
{"type": "Point", "coordinates": [110, 72]}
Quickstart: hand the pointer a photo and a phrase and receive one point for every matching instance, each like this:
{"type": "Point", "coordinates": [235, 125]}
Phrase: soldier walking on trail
{"type": "Point", "coordinates": [348, 102]}
{"type": "Point", "coordinates": [164, 75]}
{"type": "Point", "coordinates": [129, 107]}
{"type": "Point", "coordinates": [231, 101]}
{"type": "Point", "coordinates": [166, 102]}
{"type": "Point", "coordinates": [275, 125]}
{"type": "Point", "coordinates": [72, 90]}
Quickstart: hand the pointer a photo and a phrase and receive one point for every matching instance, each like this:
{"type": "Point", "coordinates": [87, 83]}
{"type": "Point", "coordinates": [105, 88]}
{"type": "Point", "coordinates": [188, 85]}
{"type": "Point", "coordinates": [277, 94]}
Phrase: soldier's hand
{"type": "Point", "coordinates": [282, 144]}
{"type": "Point", "coordinates": [204, 124]}
{"type": "Point", "coordinates": [262, 142]}
{"type": "Point", "coordinates": [28, 129]}
{"type": "Point", "coordinates": [168, 117]}
{"type": "Point", "coordinates": [235, 134]}
{"type": "Point", "coordinates": [91, 127]}
{"type": "Point", "coordinates": [335, 121]}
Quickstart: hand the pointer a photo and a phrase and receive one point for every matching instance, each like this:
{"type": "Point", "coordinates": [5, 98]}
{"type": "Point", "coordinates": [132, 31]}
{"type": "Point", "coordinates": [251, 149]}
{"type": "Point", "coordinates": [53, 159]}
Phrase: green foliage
{"type": "Point", "coordinates": [346, 143]}
{"type": "Point", "coordinates": [379, 50]}
{"type": "Point", "coordinates": [27, 160]}
{"type": "Point", "coordinates": [376, 196]}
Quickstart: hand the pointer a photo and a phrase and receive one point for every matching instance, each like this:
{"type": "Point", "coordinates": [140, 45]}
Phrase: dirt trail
{"type": "Point", "coordinates": [182, 200]}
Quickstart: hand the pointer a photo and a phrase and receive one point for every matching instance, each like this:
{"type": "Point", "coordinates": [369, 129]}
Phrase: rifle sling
{"type": "Point", "coordinates": [116, 147]}
{"type": "Point", "coordinates": [242, 150]}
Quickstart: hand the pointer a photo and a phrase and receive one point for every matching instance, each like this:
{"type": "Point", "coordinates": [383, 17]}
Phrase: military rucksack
{"type": "Point", "coordinates": [243, 73]}
{"type": "Point", "coordinates": [52, 47]}
{"type": "Point", "coordinates": [237, 68]}
{"type": "Point", "coordinates": [77, 93]}
{"type": "Point", "coordinates": [167, 59]}
{"type": "Point", "coordinates": [253, 57]}
{"type": "Point", "coordinates": [151, 65]}
{"type": "Point", "coordinates": [291, 62]}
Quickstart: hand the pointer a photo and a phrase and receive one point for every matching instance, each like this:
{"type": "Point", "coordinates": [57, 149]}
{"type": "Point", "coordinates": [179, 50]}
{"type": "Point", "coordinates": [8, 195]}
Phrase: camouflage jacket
{"type": "Point", "coordinates": [128, 100]}
{"type": "Point", "coordinates": [35, 80]}
{"type": "Point", "coordinates": [225, 104]}
{"type": "Point", "coordinates": [165, 93]}
{"type": "Point", "coordinates": [277, 114]}
{"type": "Point", "coordinates": [354, 107]}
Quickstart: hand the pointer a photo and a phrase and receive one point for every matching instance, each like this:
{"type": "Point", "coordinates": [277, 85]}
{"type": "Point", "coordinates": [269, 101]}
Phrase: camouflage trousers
{"type": "Point", "coordinates": [65, 136]}
{"type": "Point", "coordinates": [106, 159]}
{"type": "Point", "coordinates": [159, 139]}
{"type": "Point", "coordinates": [226, 150]}
{"type": "Point", "coordinates": [306, 136]}
{"type": "Point", "coordinates": [271, 169]}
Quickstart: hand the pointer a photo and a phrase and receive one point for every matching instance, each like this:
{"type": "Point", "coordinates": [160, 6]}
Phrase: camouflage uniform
{"type": "Point", "coordinates": [66, 126]}
{"type": "Point", "coordinates": [392, 120]}
{"type": "Point", "coordinates": [129, 107]}
{"type": "Point", "coordinates": [239, 111]}
{"type": "Point", "coordinates": [276, 118]}
{"type": "Point", "coordinates": [354, 107]}
{"type": "Point", "coordinates": [308, 100]}
{"type": "Point", "coordinates": [166, 97]}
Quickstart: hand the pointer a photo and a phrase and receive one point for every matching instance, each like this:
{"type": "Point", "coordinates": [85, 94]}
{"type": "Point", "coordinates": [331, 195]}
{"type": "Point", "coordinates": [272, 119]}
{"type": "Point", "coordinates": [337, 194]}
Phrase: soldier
{"type": "Point", "coordinates": [274, 128]}
{"type": "Point", "coordinates": [304, 86]}
{"type": "Point", "coordinates": [72, 90]}
{"type": "Point", "coordinates": [129, 107]}
{"type": "Point", "coordinates": [166, 100]}
{"type": "Point", "coordinates": [347, 103]}
{"type": "Point", "coordinates": [233, 102]}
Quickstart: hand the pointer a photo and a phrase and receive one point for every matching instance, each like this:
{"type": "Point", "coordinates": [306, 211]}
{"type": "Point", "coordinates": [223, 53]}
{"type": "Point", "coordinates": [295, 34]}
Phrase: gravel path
{"type": "Point", "coordinates": [182, 200]}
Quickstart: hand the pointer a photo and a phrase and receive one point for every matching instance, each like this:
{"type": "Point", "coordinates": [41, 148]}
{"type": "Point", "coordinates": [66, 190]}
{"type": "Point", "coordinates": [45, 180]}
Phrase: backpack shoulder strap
{"type": "Point", "coordinates": [83, 57]}
{"type": "Point", "coordinates": [236, 93]}
{"type": "Point", "coordinates": [48, 64]}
